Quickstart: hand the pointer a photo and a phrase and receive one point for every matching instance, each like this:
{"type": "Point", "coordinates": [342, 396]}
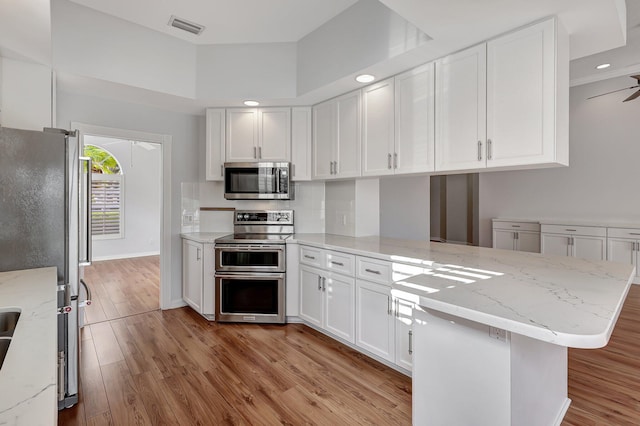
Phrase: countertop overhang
{"type": "Point", "coordinates": [561, 300]}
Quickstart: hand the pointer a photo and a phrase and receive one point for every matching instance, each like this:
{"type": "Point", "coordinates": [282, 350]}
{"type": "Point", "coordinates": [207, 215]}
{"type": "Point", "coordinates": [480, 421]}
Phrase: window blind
{"type": "Point", "coordinates": [106, 206]}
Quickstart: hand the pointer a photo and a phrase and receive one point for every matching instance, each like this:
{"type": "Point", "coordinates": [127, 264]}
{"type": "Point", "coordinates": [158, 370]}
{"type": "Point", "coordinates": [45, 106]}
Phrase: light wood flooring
{"type": "Point", "coordinates": [122, 287]}
{"type": "Point", "coordinates": [174, 367]}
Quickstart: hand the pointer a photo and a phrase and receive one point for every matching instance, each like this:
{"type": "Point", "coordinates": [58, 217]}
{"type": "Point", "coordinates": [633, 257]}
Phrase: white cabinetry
{"type": "Point", "coordinates": [258, 134]}
{"type": "Point", "coordinates": [327, 295]}
{"type": "Point", "coordinates": [379, 153]}
{"type": "Point", "coordinates": [504, 103]}
{"type": "Point", "coordinates": [301, 143]}
{"type": "Point", "coordinates": [337, 137]}
{"type": "Point", "coordinates": [623, 245]}
{"type": "Point", "coordinates": [198, 273]}
{"type": "Point", "coordinates": [519, 236]}
{"type": "Point", "coordinates": [215, 155]}
{"type": "Point", "coordinates": [585, 242]}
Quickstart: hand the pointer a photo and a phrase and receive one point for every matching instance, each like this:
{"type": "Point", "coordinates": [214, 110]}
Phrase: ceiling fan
{"type": "Point", "coordinates": [630, 98]}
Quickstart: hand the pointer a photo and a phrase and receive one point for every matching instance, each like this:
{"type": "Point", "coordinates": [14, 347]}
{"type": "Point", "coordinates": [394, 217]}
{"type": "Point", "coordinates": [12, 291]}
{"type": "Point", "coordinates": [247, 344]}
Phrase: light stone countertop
{"type": "Point", "coordinates": [561, 300]}
{"type": "Point", "coordinates": [204, 237]}
{"type": "Point", "coordinates": [28, 378]}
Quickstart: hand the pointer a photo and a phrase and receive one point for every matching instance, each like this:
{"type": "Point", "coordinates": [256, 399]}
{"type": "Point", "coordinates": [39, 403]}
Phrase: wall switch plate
{"type": "Point", "coordinates": [498, 333]}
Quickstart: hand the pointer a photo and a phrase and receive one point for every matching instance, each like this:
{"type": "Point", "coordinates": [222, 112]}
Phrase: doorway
{"type": "Point", "coordinates": [130, 221]}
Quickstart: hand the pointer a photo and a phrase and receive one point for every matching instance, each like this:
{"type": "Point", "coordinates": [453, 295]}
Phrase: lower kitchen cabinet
{"type": "Point", "coordinates": [198, 272]}
{"type": "Point", "coordinates": [327, 300]}
{"type": "Point", "coordinates": [383, 324]}
{"type": "Point", "coordinates": [585, 242]}
{"type": "Point", "coordinates": [519, 236]}
{"type": "Point", "coordinates": [623, 245]}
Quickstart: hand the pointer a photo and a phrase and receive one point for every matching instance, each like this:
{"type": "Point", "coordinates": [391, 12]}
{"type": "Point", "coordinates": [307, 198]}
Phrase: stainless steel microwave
{"type": "Point", "coordinates": [257, 181]}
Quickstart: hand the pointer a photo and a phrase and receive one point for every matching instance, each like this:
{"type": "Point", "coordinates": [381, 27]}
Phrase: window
{"type": "Point", "coordinates": [107, 198]}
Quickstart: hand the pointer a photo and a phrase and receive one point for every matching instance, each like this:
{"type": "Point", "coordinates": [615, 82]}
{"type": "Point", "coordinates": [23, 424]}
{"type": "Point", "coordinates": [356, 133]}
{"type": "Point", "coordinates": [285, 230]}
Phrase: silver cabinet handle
{"type": "Point", "coordinates": [397, 308]}
{"type": "Point", "coordinates": [372, 271]}
{"type": "Point", "coordinates": [85, 212]}
{"type": "Point", "coordinates": [309, 257]}
{"type": "Point", "coordinates": [395, 160]}
{"type": "Point", "coordinates": [515, 226]}
{"type": "Point", "coordinates": [479, 150]}
{"type": "Point", "coordinates": [335, 167]}
{"type": "Point", "coordinates": [333, 262]}
{"type": "Point", "coordinates": [319, 282]}
{"type": "Point", "coordinates": [221, 170]}
{"type": "Point", "coordinates": [324, 284]}
{"type": "Point", "coordinates": [571, 230]}
{"type": "Point", "coordinates": [259, 152]}
{"type": "Point", "coordinates": [389, 161]}
{"type": "Point", "coordinates": [636, 246]}
{"type": "Point", "coordinates": [330, 167]}
{"type": "Point", "coordinates": [489, 150]}
{"type": "Point", "coordinates": [198, 254]}
{"type": "Point", "coordinates": [410, 342]}
{"type": "Point", "coordinates": [634, 233]}
{"type": "Point", "coordinates": [388, 305]}
{"type": "Point", "coordinates": [255, 155]}
{"type": "Point", "coordinates": [516, 236]}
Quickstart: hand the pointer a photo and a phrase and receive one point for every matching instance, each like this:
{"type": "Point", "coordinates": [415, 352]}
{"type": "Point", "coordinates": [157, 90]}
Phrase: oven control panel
{"type": "Point", "coordinates": [263, 217]}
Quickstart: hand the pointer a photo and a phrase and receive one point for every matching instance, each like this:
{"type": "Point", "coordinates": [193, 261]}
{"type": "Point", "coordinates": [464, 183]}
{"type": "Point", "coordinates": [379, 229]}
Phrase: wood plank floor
{"type": "Point", "coordinates": [122, 287]}
{"type": "Point", "coordinates": [173, 367]}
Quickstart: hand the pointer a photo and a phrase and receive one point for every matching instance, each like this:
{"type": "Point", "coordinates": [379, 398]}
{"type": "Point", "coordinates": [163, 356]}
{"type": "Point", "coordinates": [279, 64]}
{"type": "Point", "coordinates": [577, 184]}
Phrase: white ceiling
{"type": "Point", "coordinates": [227, 21]}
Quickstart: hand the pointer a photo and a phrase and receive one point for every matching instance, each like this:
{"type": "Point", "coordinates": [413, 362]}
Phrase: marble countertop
{"type": "Point", "coordinates": [561, 300]}
{"type": "Point", "coordinates": [28, 377]}
{"type": "Point", "coordinates": [204, 237]}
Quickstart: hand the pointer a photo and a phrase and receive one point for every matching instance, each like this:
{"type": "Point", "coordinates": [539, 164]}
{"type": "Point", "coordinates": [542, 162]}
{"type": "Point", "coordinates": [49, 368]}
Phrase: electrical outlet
{"type": "Point", "coordinates": [187, 219]}
{"type": "Point", "coordinates": [498, 333]}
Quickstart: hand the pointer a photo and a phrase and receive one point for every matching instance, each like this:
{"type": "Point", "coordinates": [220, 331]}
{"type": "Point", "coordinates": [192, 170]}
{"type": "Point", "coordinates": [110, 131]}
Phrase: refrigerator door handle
{"type": "Point", "coordinates": [87, 301]}
{"type": "Point", "coordinates": [85, 212]}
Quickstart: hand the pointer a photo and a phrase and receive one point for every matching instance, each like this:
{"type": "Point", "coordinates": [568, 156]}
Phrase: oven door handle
{"type": "Point", "coordinates": [243, 247]}
{"type": "Point", "coordinates": [251, 275]}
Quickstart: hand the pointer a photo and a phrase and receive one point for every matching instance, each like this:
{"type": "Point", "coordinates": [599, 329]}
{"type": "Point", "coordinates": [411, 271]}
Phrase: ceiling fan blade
{"type": "Point", "coordinates": [632, 97]}
{"type": "Point", "coordinates": [619, 90]}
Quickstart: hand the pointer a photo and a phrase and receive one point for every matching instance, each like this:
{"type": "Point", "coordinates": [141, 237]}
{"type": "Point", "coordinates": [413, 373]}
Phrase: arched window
{"type": "Point", "coordinates": [107, 199]}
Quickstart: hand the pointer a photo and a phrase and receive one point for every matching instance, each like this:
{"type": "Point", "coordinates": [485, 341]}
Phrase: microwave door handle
{"type": "Point", "coordinates": [278, 176]}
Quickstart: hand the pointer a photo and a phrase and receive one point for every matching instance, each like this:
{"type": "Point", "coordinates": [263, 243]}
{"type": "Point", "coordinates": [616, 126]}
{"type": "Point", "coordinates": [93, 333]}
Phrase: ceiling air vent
{"type": "Point", "coordinates": [184, 25]}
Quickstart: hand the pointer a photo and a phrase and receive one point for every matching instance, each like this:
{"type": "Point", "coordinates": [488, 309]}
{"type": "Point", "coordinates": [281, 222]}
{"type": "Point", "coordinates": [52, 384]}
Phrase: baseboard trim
{"type": "Point", "coordinates": [177, 303]}
{"type": "Point", "coordinates": [126, 256]}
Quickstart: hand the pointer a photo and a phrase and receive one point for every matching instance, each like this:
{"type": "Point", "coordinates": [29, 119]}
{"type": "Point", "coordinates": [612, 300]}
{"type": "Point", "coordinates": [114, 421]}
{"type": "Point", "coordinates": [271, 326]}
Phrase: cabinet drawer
{"type": "Point", "coordinates": [631, 233]}
{"type": "Point", "coordinates": [594, 231]}
{"type": "Point", "coordinates": [339, 262]}
{"type": "Point", "coordinates": [516, 226]}
{"type": "Point", "coordinates": [374, 270]}
{"type": "Point", "coordinates": [311, 256]}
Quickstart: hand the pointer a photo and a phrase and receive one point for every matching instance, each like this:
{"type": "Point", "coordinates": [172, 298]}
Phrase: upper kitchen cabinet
{"type": "Point", "coordinates": [461, 109]}
{"type": "Point", "coordinates": [398, 116]}
{"type": "Point", "coordinates": [504, 104]}
{"type": "Point", "coordinates": [337, 137]}
{"type": "Point", "coordinates": [258, 134]}
{"type": "Point", "coordinates": [301, 143]}
{"type": "Point", "coordinates": [215, 156]}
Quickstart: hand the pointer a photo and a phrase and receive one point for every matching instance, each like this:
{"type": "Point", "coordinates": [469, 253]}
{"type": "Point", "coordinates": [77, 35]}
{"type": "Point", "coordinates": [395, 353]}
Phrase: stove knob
{"type": "Point", "coordinates": [246, 216]}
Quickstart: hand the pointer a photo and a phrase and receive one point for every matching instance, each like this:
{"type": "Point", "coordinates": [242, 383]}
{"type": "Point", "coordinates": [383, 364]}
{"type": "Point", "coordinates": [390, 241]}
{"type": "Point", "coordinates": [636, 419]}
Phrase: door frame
{"type": "Point", "coordinates": [164, 141]}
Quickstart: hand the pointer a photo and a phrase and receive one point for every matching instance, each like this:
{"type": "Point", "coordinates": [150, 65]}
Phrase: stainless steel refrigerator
{"type": "Point", "coordinates": [44, 221]}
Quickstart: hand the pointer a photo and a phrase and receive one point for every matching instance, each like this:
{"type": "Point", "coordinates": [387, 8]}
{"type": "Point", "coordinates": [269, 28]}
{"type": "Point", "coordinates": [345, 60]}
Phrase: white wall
{"type": "Point", "coordinates": [97, 45]}
{"type": "Point", "coordinates": [363, 35]}
{"type": "Point", "coordinates": [141, 169]}
{"type": "Point", "coordinates": [602, 180]}
{"type": "Point", "coordinates": [404, 207]}
{"type": "Point", "coordinates": [187, 132]}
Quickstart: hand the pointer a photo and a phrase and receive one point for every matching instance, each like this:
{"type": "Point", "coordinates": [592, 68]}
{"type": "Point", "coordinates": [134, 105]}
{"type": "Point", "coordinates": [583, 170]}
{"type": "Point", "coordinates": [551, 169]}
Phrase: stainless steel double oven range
{"type": "Point", "coordinates": [251, 267]}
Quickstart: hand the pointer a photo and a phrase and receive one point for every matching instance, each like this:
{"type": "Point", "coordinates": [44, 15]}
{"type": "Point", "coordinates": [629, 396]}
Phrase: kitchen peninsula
{"type": "Point", "coordinates": [491, 327]}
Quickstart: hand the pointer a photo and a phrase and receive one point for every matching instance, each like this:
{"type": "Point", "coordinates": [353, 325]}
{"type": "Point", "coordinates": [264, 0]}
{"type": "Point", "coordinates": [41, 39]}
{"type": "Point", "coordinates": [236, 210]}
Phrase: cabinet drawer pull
{"type": "Point", "coordinates": [515, 226]}
{"type": "Point", "coordinates": [333, 262]}
{"type": "Point", "coordinates": [571, 230]}
{"type": "Point", "coordinates": [309, 257]}
{"type": "Point", "coordinates": [371, 271]}
{"type": "Point", "coordinates": [634, 233]}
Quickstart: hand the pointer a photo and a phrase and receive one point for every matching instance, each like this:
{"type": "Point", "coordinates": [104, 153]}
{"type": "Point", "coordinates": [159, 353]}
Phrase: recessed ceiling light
{"type": "Point", "coordinates": [365, 78]}
{"type": "Point", "coordinates": [603, 66]}
{"type": "Point", "coordinates": [251, 103]}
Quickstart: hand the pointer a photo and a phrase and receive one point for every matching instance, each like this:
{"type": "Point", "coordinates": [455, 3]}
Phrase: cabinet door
{"type": "Point", "coordinates": [621, 250]}
{"type": "Point", "coordinates": [503, 239]}
{"type": "Point", "coordinates": [404, 333]}
{"type": "Point", "coordinates": [311, 295]}
{"type": "Point", "coordinates": [375, 330]}
{"type": "Point", "coordinates": [528, 241]}
{"type": "Point", "coordinates": [378, 129]}
{"type": "Point", "coordinates": [521, 89]}
{"type": "Point", "coordinates": [591, 248]}
{"type": "Point", "coordinates": [274, 134]}
{"type": "Point", "coordinates": [414, 115]}
{"type": "Point", "coordinates": [348, 147]}
{"type": "Point", "coordinates": [301, 143]}
{"type": "Point", "coordinates": [215, 144]}
{"type": "Point", "coordinates": [242, 134]}
{"type": "Point", "coordinates": [192, 274]}
{"type": "Point", "coordinates": [324, 138]}
{"type": "Point", "coordinates": [461, 110]}
{"type": "Point", "coordinates": [339, 314]}
{"type": "Point", "coordinates": [555, 244]}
